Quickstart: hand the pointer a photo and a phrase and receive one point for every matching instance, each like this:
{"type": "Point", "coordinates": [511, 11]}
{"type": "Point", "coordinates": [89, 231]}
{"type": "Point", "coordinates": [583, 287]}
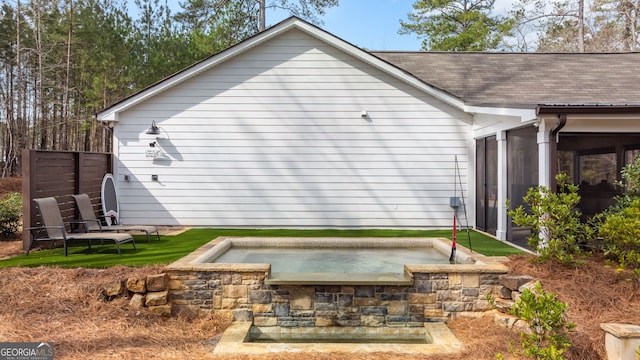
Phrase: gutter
{"type": "Point", "coordinates": [553, 155]}
{"type": "Point", "coordinates": [588, 109]}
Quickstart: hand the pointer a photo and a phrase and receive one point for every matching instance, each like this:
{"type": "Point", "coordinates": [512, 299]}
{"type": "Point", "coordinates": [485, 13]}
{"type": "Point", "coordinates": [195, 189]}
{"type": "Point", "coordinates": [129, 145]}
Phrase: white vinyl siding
{"type": "Point", "coordinates": [274, 138]}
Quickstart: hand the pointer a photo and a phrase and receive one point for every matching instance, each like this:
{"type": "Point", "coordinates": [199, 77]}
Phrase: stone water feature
{"type": "Point", "coordinates": [428, 293]}
{"type": "Point", "coordinates": [423, 295]}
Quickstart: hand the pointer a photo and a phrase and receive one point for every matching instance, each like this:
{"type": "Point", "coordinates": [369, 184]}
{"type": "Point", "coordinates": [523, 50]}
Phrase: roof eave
{"type": "Point", "coordinates": [530, 113]}
{"type": "Point", "coordinates": [525, 114]}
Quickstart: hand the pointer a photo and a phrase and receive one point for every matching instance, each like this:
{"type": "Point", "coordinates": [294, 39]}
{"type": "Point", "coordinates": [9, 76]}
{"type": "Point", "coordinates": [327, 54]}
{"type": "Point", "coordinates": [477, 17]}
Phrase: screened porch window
{"type": "Point", "coordinates": [630, 155]}
{"type": "Point", "coordinates": [598, 170]}
{"type": "Point", "coordinates": [522, 174]}
{"type": "Point", "coordinates": [594, 162]}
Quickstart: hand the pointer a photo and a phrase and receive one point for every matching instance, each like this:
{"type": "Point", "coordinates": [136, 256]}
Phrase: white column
{"type": "Point", "coordinates": [544, 165]}
{"type": "Point", "coordinates": [501, 231]}
{"type": "Point", "coordinates": [471, 195]}
{"type": "Point", "coordinates": [544, 156]}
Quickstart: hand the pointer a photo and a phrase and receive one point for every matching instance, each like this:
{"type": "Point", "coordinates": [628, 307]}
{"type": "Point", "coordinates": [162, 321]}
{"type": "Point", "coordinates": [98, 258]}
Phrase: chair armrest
{"type": "Point", "coordinates": [37, 231]}
{"type": "Point", "coordinates": [104, 219]}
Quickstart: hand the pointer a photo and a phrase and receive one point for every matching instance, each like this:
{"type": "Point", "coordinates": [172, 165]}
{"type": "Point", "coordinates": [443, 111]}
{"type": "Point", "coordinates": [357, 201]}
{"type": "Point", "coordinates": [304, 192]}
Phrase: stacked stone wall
{"type": "Point", "coordinates": [431, 298]}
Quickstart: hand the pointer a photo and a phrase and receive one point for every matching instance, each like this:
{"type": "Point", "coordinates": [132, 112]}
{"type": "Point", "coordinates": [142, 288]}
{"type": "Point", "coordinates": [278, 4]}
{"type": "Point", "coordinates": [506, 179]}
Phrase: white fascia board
{"type": "Point", "coordinates": [524, 114]}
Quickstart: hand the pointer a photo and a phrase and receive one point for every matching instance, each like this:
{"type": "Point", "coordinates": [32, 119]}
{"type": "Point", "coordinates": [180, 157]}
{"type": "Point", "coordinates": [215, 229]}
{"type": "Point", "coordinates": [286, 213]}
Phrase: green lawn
{"type": "Point", "coordinates": [171, 248]}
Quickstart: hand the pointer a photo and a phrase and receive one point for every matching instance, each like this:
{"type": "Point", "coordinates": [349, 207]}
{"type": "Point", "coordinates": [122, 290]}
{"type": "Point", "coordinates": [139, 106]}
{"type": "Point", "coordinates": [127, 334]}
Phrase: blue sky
{"type": "Point", "coordinates": [373, 24]}
{"type": "Point", "coordinates": [370, 24]}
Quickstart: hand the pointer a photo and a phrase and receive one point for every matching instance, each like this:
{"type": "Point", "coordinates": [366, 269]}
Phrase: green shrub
{"type": "Point", "coordinates": [631, 174]}
{"type": "Point", "coordinates": [10, 214]}
{"type": "Point", "coordinates": [620, 224]}
{"type": "Point", "coordinates": [554, 221]}
{"type": "Point", "coordinates": [545, 314]}
{"type": "Point", "coordinates": [621, 231]}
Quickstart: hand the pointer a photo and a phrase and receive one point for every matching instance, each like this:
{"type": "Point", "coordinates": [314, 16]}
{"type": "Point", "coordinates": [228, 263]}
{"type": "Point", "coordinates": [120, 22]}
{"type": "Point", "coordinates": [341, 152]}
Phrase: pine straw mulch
{"type": "Point", "coordinates": [13, 184]}
{"type": "Point", "coordinates": [10, 247]}
{"type": "Point", "coordinates": [63, 306]}
{"type": "Point", "coordinates": [595, 294]}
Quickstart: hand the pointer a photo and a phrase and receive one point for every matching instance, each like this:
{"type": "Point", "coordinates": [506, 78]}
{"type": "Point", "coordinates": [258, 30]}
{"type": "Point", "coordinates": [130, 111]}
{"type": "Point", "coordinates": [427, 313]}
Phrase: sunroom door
{"type": "Point", "coordinates": [487, 184]}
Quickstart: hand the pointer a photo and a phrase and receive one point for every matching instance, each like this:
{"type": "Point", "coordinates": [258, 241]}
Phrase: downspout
{"type": "Point", "coordinates": [561, 123]}
{"type": "Point", "coordinates": [553, 156]}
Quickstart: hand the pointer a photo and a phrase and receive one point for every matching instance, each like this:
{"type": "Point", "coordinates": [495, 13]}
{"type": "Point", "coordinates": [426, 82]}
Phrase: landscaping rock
{"type": "Point", "coordinates": [531, 285]}
{"type": "Point", "coordinates": [137, 301]}
{"type": "Point", "coordinates": [505, 293]}
{"type": "Point", "coordinates": [481, 305]}
{"type": "Point", "coordinates": [156, 298]}
{"type": "Point", "coordinates": [513, 282]}
{"type": "Point", "coordinates": [515, 295]}
{"type": "Point", "coordinates": [503, 306]}
{"type": "Point", "coordinates": [506, 320]}
{"type": "Point", "coordinates": [157, 282]}
{"type": "Point", "coordinates": [113, 288]}
{"type": "Point", "coordinates": [136, 285]}
{"type": "Point", "coordinates": [522, 326]}
{"type": "Point", "coordinates": [161, 310]}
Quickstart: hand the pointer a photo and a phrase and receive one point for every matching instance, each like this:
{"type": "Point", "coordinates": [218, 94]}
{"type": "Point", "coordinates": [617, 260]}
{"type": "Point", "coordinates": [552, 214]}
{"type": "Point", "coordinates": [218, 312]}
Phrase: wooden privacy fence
{"type": "Point", "coordinates": [60, 174]}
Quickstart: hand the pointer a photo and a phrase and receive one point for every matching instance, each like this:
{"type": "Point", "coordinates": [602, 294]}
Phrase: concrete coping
{"type": "Point", "coordinates": [467, 262]}
{"type": "Point", "coordinates": [620, 330]}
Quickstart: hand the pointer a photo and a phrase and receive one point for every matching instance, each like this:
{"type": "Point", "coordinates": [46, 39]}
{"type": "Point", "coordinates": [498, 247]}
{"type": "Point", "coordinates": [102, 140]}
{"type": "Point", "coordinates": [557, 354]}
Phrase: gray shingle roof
{"type": "Point", "coordinates": [527, 79]}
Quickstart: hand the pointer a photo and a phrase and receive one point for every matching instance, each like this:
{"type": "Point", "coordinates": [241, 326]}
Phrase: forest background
{"type": "Point", "coordinates": [62, 61]}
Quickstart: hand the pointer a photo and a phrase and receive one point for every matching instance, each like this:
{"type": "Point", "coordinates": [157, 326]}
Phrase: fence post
{"type": "Point", "coordinates": [28, 190]}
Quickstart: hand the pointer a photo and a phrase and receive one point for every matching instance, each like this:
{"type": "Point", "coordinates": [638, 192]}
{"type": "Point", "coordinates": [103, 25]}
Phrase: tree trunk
{"type": "Point", "coordinates": [66, 90]}
{"type": "Point", "coordinates": [39, 128]}
{"type": "Point", "coordinates": [12, 124]}
{"type": "Point", "coordinates": [581, 25]}
{"type": "Point", "coordinates": [263, 16]}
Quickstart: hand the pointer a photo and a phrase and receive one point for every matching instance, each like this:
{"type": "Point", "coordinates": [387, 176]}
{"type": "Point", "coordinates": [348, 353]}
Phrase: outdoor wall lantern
{"type": "Point", "coordinates": [153, 130]}
{"type": "Point", "coordinates": [155, 151]}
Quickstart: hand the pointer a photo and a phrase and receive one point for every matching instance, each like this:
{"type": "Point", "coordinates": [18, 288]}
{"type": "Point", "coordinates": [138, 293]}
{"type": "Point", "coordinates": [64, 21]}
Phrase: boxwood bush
{"type": "Point", "coordinates": [10, 214]}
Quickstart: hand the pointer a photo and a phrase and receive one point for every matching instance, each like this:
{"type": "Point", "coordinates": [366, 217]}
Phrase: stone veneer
{"type": "Point", "coordinates": [436, 293]}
